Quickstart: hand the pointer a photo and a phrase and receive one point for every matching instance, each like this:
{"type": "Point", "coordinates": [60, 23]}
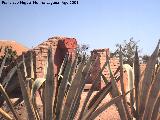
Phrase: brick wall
{"type": "Point", "coordinates": [60, 47]}
{"type": "Point", "coordinates": [114, 64]}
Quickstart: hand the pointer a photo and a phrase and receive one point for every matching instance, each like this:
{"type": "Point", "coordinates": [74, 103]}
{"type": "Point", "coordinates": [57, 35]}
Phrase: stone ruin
{"type": "Point", "coordinates": [60, 47]}
{"type": "Point", "coordinates": [114, 64]}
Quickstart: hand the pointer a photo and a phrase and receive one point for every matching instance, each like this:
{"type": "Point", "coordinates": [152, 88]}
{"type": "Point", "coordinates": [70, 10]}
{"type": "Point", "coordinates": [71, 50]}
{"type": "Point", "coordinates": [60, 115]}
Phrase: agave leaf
{"type": "Point", "coordinates": [72, 92]}
{"type": "Point", "coordinates": [32, 66]}
{"type": "Point", "coordinates": [60, 76]}
{"type": "Point", "coordinates": [24, 66]}
{"type": "Point", "coordinates": [97, 102]}
{"type": "Point", "coordinates": [155, 113]}
{"type": "Point", "coordinates": [49, 88]}
{"type": "Point", "coordinates": [79, 81]}
{"type": "Point", "coordinates": [62, 67]}
{"type": "Point", "coordinates": [117, 70]}
{"type": "Point", "coordinates": [105, 79]}
{"type": "Point", "coordinates": [76, 101]}
{"type": "Point", "coordinates": [27, 100]}
{"type": "Point", "coordinates": [3, 63]}
{"type": "Point", "coordinates": [36, 108]}
{"type": "Point", "coordinates": [84, 108]}
{"type": "Point", "coordinates": [27, 82]}
{"type": "Point", "coordinates": [43, 100]}
{"type": "Point", "coordinates": [62, 90]}
{"type": "Point", "coordinates": [10, 74]}
{"type": "Point", "coordinates": [136, 81]}
{"type": "Point", "coordinates": [36, 85]}
{"type": "Point", "coordinates": [5, 115]}
{"type": "Point", "coordinates": [105, 106]}
{"type": "Point", "coordinates": [122, 83]}
{"type": "Point", "coordinates": [73, 67]}
{"type": "Point", "coordinates": [114, 93]}
{"type": "Point", "coordinates": [147, 80]}
{"type": "Point", "coordinates": [129, 71]}
{"type": "Point", "coordinates": [98, 94]}
{"type": "Point", "coordinates": [152, 97]}
{"type": "Point", "coordinates": [8, 102]}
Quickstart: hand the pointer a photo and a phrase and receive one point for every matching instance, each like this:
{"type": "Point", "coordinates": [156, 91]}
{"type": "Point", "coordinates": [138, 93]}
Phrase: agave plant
{"type": "Point", "coordinates": [144, 102]}
{"type": "Point", "coordinates": [4, 94]}
{"type": "Point", "coordinates": [61, 95]}
{"type": "Point", "coordinates": [148, 90]}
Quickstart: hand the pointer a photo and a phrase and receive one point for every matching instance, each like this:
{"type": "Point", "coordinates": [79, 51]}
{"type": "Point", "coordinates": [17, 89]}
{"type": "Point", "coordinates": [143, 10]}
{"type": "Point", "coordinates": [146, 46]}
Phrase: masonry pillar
{"type": "Point", "coordinates": [102, 55]}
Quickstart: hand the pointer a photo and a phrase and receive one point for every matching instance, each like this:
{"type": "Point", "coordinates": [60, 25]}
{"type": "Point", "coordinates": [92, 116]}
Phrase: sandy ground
{"type": "Point", "coordinates": [109, 114]}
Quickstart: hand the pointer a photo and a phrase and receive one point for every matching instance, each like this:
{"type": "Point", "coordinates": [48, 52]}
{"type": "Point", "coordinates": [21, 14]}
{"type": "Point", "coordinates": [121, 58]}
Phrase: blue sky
{"type": "Point", "coordinates": [99, 23]}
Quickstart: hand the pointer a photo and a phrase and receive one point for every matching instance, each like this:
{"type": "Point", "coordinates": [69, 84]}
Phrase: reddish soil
{"type": "Point", "coordinates": [15, 46]}
{"type": "Point", "coordinates": [109, 114]}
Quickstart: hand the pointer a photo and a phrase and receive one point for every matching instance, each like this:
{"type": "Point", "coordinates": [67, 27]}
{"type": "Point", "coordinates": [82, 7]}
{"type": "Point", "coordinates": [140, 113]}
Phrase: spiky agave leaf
{"type": "Point", "coordinates": [36, 86]}
{"type": "Point", "coordinates": [32, 66]}
{"type": "Point", "coordinates": [24, 66]}
{"type": "Point", "coordinates": [4, 94]}
{"type": "Point", "coordinates": [27, 100]}
{"type": "Point", "coordinates": [105, 106]}
{"type": "Point", "coordinates": [3, 63]}
{"type": "Point", "coordinates": [77, 98]}
{"type": "Point", "coordinates": [122, 84]}
{"type": "Point", "coordinates": [129, 71]}
{"type": "Point", "coordinates": [115, 92]}
{"type": "Point", "coordinates": [147, 80]}
{"type": "Point", "coordinates": [49, 88]}
{"type": "Point", "coordinates": [136, 82]}
{"type": "Point", "coordinates": [104, 91]}
{"type": "Point", "coordinates": [104, 79]}
{"type": "Point", "coordinates": [98, 74]}
{"type": "Point", "coordinates": [73, 67]}
{"type": "Point", "coordinates": [155, 114]}
{"type": "Point", "coordinates": [96, 103]}
{"type": "Point", "coordinates": [99, 93]}
{"type": "Point", "coordinates": [60, 76]}
{"type": "Point", "coordinates": [62, 68]}
{"type": "Point", "coordinates": [10, 75]}
{"type": "Point", "coordinates": [152, 97]}
{"type": "Point", "coordinates": [7, 79]}
{"type": "Point", "coordinates": [62, 89]}
{"type": "Point", "coordinates": [72, 92]}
